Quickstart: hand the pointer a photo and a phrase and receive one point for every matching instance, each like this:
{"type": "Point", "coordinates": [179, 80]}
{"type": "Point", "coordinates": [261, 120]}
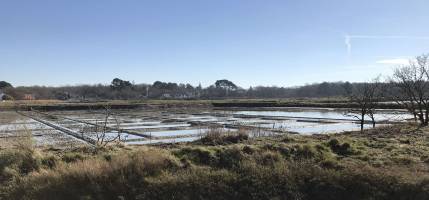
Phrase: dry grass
{"type": "Point", "coordinates": [384, 166]}
{"type": "Point", "coordinates": [21, 137]}
{"type": "Point", "coordinates": [220, 136]}
{"type": "Point", "coordinates": [7, 117]}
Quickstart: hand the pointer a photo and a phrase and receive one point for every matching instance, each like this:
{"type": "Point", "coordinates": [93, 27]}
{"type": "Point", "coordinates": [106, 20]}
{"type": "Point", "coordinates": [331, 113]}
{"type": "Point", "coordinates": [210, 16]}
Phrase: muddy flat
{"type": "Point", "coordinates": [155, 125]}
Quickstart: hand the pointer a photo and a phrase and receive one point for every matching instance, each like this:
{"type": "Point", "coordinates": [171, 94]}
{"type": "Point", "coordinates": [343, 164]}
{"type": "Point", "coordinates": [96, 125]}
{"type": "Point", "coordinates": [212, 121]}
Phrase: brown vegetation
{"type": "Point", "coordinates": [387, 163]}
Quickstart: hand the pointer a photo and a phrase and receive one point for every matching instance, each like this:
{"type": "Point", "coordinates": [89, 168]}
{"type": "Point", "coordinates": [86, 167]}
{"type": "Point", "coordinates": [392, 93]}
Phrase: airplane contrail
{"type": "Point", "coordinates": [348, 39]}
{"type": "Point", "coordinates": [348, 44]}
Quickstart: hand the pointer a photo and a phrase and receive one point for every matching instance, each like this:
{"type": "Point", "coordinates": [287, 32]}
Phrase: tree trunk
{"type": "Point", "coordinates": [372, 119]}
{"type": "Point", "coordinates": [362, 121]}
{"type": "Point", "coordinates": [421, 119]}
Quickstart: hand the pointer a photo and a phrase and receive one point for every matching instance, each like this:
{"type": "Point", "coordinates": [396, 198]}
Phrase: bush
{"type": "Point", "coordinates": [344, 149]}
{"type": "Point", "coordinates": [222, 137]}
{"type": "Point", "coordinates": [72, 157]}
{"type": "Point", "coordinates": [22, 161]}
{"type": "Point", "coordinates": [197, 155]}
{"type": "Point", "coordinates": [269, 158]}
{"type": "Point", "coordinates": [49, 161]}
{"type": "Point", "coordinates": [230, 157]}
{"type": "Point", "coordinates": [248, 149]}
{"type": "Point", "coordinates": [307, 151]}
{"type": "Point", "coordinates": [331, 164]}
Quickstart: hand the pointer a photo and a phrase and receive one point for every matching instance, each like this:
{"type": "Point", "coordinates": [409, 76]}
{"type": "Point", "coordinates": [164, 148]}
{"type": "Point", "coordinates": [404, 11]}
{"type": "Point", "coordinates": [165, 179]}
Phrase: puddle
{"type": "Point", "coordinates": [329, 128]}
{"type": "Point", "coordinates": [155, 126]}
{"type": "Point", "coordinates": [177, 132]}
{"type": "Point", "coordinates": [55, 138]}
{"type": "Point", "coordinates": [286, 124]}
{"type": "Point", "coordinates": [139, 123]}
{"type": "Point", "coordinates": [111, 135]}
{"type": "Point", "coordinates": [173, 140]}
{"type": "Point", "coordinates": [265, 122]}
{"type": "Point", "coordinates": [322, 114]}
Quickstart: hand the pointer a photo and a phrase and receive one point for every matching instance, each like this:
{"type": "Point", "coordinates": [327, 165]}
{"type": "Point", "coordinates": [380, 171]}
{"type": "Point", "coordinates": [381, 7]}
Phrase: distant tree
{"type": "Point", "coordinates": [348, 88]}
{"type": "Point", "coordinates": [119, 84]}
{"type": "Point", "coordinates": [199, 90]}
{"type": "Point", "coordinates": [225, 85]}
{"type": "Point", "coordinates": [171, 86]}
{"type": "Point", "coordinates": [189, 87]}
{"type": "Point", "coordinates": [158, 84]}
{"type": "Point", "coordinates": [250, 92]}
{"type": "Point", "coordinates": [165, 86]}
{"type": "Point", "coordinates": [4, 84]}
{"type": "Point", "coordinates": [85, 91]}
{"type": "Point", "coordinates": [324, 89]}
{"type": "Point", "coordinates": [60, 95]}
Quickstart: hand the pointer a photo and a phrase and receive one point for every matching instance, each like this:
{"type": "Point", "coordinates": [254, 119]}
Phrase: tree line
{"type": "Point", "coordinates": [221, 89]}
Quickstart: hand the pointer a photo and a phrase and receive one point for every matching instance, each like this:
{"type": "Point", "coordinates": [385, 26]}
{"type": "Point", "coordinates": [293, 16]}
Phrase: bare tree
{"type": "Point", "coordinates": [365, 96]}
{"type": "Point", "coordinates": [105, 134]}
{"type": "Point", "coordinates": [412, 81]}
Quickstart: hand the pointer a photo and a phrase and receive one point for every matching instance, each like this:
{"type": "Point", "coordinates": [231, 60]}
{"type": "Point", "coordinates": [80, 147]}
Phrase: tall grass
{"type": "Point", "coordinates": [233, 173]}
{"type": "Point", "coordinates": [297, 168]}
{"type": "Point", "coordinates": [220, 136]}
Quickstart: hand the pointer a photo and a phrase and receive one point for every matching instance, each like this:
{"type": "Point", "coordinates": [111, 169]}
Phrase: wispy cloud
{"type": "Point", "coordinates": [348, 44]}
{"type": "Point", "coordinates": [348, 39]}
{"type": "Point", "coordinates": [396, 61]}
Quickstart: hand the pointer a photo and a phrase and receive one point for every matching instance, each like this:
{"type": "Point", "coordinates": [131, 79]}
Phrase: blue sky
{"type": "Point", "coordinates": [251, 42]}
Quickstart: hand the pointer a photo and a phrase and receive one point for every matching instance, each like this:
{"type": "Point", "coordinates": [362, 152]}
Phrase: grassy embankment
{"type": "Point", "coordinates": [388, 163]}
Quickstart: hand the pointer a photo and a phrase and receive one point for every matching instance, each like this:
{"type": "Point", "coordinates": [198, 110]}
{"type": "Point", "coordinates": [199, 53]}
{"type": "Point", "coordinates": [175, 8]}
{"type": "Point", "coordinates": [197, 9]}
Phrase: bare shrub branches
{"type": "Point", "coordinates": [104, 134]}
{"type": "Point", "coordinates": [366, 97]}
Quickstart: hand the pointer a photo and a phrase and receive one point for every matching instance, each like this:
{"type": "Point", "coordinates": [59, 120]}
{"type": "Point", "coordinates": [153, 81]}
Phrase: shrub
{"type": "Point", "coordinates": [72, 157]}
{"type": "Point", "coordinates": [220, 136]}
{"type": "Point", "coordinates": [402, 160]}
{"type": "Point", "coordinates": [49, 161]}
{"type": "Point", "coordinates": [307, 151]}
{"type": "Point", "coordinates": [230, 157]}
{"type": "Point", "coordinates": [288, 139]}
{"type": "Point", "coordinates": [197, 155]}
{"type": "Point", "coordinates": [270, 158]}
{"type": "Point", "coordinates": [248, 149]}
{"type": "Point", "coordinates": [281, 148]}
{"type": "Point", "coordinates": [344, 149]}
{"type": "Point", "coordinates": [24, 161]}
{"type": "Point", "coordinates": [331, 164]}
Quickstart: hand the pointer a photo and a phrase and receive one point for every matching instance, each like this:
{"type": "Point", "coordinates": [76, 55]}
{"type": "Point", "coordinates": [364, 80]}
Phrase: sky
{"type": "Point", "coordinates": [250, 42]}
